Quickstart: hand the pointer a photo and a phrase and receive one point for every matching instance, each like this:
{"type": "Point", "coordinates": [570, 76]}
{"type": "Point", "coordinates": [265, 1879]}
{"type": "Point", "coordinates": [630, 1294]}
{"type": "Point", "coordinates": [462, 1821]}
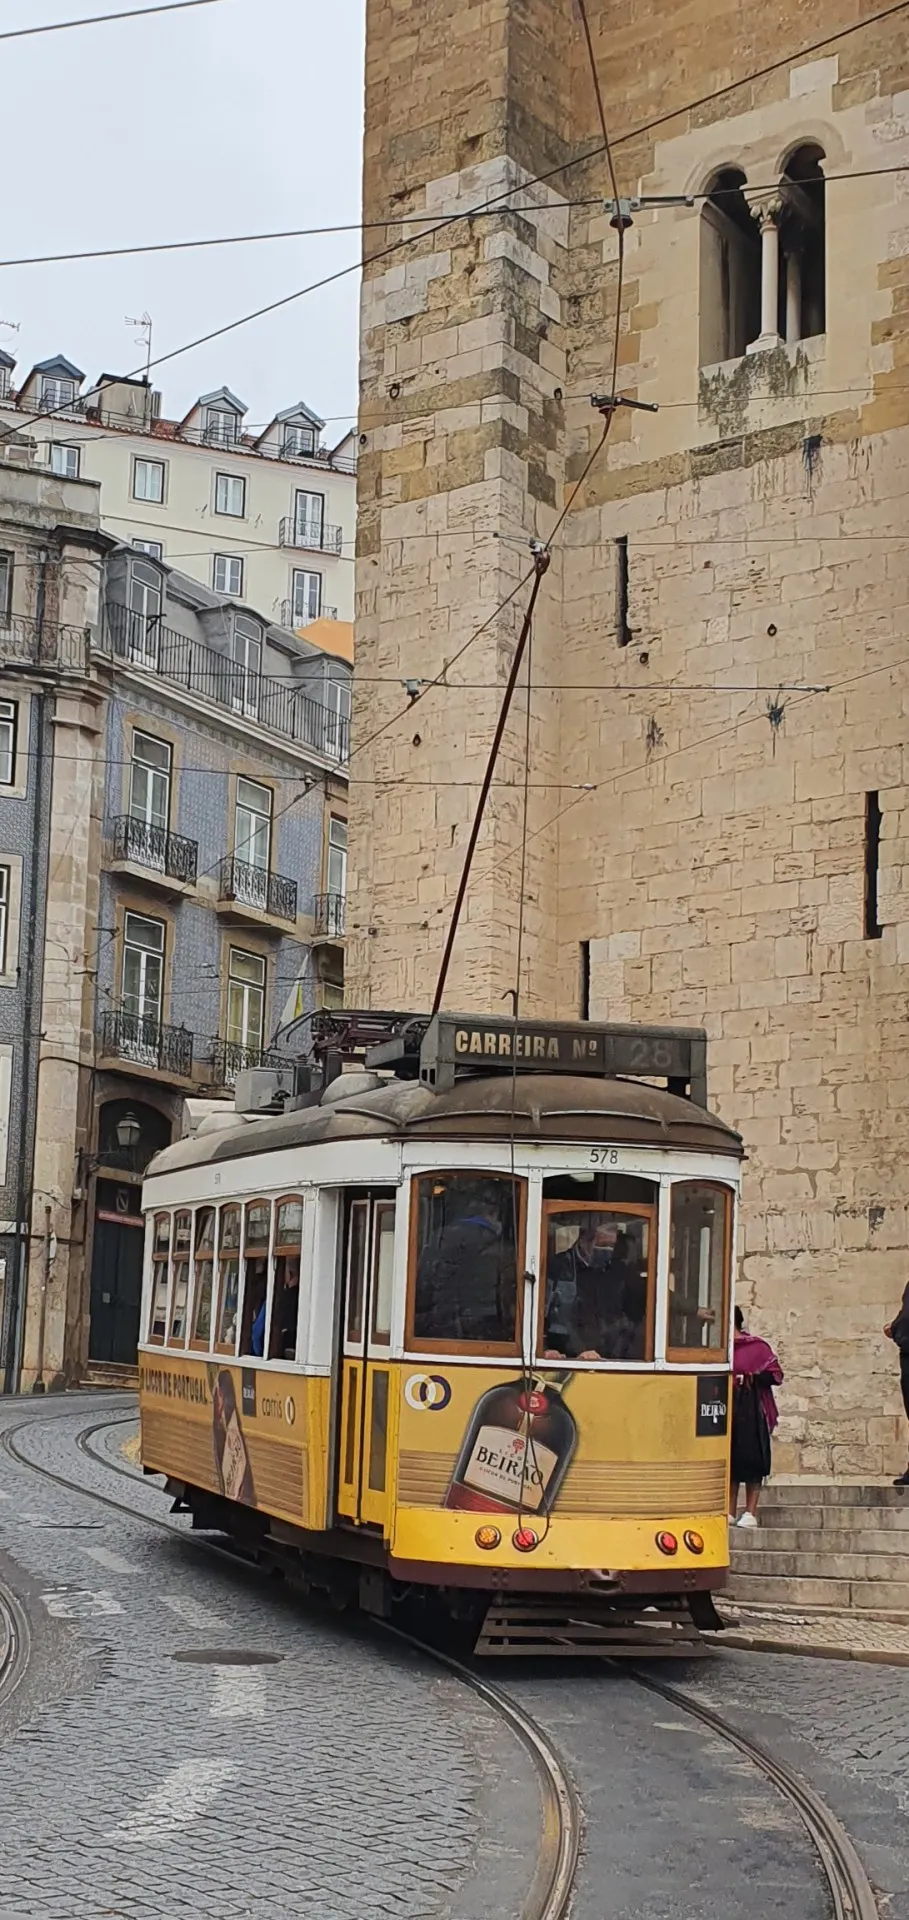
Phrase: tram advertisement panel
{"type": "Point", "coordinates": [560, 1441]}
{"type": "Point", "coordinates": [237, 1431]}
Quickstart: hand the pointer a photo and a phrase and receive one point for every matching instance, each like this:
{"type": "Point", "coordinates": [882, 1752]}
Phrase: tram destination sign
{"type": "Point", "coordinates": [458, 1044]}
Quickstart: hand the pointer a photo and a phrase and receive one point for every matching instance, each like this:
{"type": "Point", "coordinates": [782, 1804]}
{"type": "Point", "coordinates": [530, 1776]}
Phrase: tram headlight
{"type": "Point", "coordinates": [667, 1542]}
{"type": "Point", "coordinates": [693, 1541]}
{"type": "Point", "coordinates": [487, 1537]}
{"type": "Point", "coordinates": [525, 1539]}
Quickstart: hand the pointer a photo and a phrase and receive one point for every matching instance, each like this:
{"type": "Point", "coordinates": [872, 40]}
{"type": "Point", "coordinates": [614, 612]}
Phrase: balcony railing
{"type": "Point", "coordinates": [228, 1058]}
{"type": "Point", "coordinates": [155, 849]}
{"type": "Point", "coordinates": [146, 1041]}
{"type": "Point", "coordinates": [27, 642]}
{"type": "Point", "coordinates": [328, 911]}
{"type": "Point", "coordinates": [255, 887]}
{"type": "Point", "coordinates": [143, 641]}
{"type": "Point", "coordinates": [292, 616]}
{"type": "Point", "coordinates": [315, 534]}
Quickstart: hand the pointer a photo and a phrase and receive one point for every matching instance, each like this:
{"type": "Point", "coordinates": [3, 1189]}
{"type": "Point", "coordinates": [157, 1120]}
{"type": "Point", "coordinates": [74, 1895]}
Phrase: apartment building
{"type": "Point", "coordinates": [263, 513]}
{"type": "Point", "coordinates": [172, 878]}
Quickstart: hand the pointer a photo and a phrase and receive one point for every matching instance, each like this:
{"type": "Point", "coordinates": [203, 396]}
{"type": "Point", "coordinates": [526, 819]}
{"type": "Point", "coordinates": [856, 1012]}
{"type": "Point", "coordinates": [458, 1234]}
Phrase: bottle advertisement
{"type": "Point", "coordinates": [232, 1463]}
{"type": "Point", "coordinates": [517, 1448]}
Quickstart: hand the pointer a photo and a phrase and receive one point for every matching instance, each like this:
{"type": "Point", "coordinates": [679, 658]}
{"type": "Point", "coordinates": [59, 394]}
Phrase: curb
{"type": "Point", "coordinates": [759, 1643]}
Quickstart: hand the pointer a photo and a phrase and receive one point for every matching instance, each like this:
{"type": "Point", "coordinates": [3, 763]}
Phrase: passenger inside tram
{"type": "Point", "coordinates": [596, 1288]}
{"type": "Point", "coordinates": [253, 1329]}
{"type": "Point", "coordinates": [286, 1308]}
{"type": "Point", "coordinates": [466, 1268]}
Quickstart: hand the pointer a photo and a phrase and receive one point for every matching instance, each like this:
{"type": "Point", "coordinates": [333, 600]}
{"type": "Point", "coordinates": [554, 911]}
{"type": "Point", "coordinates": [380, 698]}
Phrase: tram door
{"type": "Point", "coordinates": [364, 1493]}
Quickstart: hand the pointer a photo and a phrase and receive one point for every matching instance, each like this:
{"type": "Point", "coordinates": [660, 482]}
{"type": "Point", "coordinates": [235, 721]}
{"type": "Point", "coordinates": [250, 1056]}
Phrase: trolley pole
{"type": "Point", "coordinates": [541, 564]}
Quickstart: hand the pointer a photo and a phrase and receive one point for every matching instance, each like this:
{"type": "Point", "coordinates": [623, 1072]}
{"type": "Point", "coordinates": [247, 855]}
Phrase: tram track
{"type": "Point", "coordinates": [851, 1894]}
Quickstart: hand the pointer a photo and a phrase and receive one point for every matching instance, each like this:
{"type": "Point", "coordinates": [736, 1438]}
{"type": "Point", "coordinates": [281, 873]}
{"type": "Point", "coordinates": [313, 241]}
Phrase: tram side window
{"type": "Point", "coordinates": [285, 1309]}
{"type": "Point", "coordinates": [157, 1324]}
{"type": "Point", "coordinates": [598, 1283]}
{"type": "Point", "coordinates": [466, 1261]}
{"type": "Point", "coordinates": [204, 1275]}
{"type": "Point", "coordinates": [383, 1272]}
{"type": "Point", "coordinates": [180, 1294]}
{"type": "Point", "coordinates": [228, 1278]}
{"type": "Point", "coordinates": [699, 1257]}
{"type": "Point", "coordinates": [255, 1277]}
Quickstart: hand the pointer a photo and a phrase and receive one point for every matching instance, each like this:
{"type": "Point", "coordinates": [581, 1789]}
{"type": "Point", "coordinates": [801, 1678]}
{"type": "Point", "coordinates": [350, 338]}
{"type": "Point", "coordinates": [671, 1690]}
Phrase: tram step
{"type": "Point", "coordinates": [546, 1630]}
{"type": "Point", "coordinates": [874, 1596]}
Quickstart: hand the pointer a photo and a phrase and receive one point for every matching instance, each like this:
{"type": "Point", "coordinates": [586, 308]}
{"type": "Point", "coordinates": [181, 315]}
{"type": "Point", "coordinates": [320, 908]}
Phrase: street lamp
{"type": "Point", "coordinates": [129, 1131]}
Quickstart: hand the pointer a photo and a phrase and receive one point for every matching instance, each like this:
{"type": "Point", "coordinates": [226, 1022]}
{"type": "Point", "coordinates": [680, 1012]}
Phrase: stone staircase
{"type": "Point", "coordinates": [825, 1545]}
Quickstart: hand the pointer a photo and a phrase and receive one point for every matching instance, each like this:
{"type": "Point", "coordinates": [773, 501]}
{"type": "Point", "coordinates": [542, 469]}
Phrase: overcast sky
{"type": "Point", "coordinates": [233, 118]}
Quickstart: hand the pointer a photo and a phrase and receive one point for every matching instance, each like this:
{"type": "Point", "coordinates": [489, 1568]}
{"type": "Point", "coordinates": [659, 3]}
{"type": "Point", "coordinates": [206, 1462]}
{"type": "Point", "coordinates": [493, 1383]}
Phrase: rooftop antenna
{"type": "Point", "coordinates": [13, 325]}
{"type": "Point", "coordinates": [143, 337]}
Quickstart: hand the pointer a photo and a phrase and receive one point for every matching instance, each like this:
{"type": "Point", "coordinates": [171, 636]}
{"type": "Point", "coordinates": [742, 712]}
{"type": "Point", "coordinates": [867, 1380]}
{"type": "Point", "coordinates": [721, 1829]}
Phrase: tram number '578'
{"type": "Point", "coordinates": [604, 1156]}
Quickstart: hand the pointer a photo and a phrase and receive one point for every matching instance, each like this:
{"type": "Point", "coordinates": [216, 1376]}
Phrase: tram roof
{"type": "Point", "coordinates": [556, 1107]}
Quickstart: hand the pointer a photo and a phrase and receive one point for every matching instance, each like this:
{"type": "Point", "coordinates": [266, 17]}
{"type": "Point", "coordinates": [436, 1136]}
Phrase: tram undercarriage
{"type": "Point", "coordinates": [503, 1614]}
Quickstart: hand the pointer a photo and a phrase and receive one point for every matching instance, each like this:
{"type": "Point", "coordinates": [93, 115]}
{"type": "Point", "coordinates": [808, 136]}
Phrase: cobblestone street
{"type": "Point", "coordinates": [145, 1776]}
{"type": "Point", "coordinates": [346, 1780]}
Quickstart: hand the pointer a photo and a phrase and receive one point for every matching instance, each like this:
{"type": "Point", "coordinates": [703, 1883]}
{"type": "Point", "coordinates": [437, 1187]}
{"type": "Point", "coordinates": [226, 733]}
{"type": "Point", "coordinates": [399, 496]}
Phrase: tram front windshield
{"type": "Point", "coordinates": [596, 1285]}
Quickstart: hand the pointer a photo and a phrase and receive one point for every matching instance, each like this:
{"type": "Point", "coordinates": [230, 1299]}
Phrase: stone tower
{"type": "Point", "coordinates": [718, 782]}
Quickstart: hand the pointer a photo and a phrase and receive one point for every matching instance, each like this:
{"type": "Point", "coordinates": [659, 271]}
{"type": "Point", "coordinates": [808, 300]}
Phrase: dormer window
{"type": "Point", "coordinates": [220, 427]}
{"type": "Point", "coordinates": [298, 440]}
{"type": "Point", "coordinates": [57, 392]}
{"type": "Point", "coordinates": [5, 383]}
{"type": "Point", "coordinates": [246, 665]}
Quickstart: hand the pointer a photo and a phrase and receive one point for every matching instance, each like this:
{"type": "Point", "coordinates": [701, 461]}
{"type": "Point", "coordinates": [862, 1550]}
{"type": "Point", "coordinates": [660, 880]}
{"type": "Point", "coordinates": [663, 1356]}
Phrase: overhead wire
{"type": "Point", "coordinates": [494, 200]}
{"type": "Point", "coordinates": [333, 228]}
{"type": "Point", "coordinates": [105, 19]}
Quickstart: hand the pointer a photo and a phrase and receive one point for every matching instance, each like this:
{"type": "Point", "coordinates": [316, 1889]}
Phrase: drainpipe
{"type": "Point", "coordinates": [50, 1253]}
{"type": "Point", "coordinates": [34, 943]}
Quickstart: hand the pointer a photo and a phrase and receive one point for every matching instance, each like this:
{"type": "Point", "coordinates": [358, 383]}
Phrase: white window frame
{"type": "Point", "coordinates": [221, 427]}
{"type": "Point", "coordinates": [225, 483]}
{"type": "Point", "coordinates": [225, 561]}
{"type": "Point", "coordinates": [58, 391]}
{"type": "Point", "coordinates": [247, 989]}
{"type": "Point", "coordinates": [293, 435]}
{"type": "Point", "coordinates": [309, 518]}
{"type": "Point", "coordinates": [9, 744]}
{"type": "Point", "coordinates": [336, 861]}
{"type": "Point", "coordinates": [158, 773]}
{"type": "Point", "coordinates": [65, 460]}
{"type": "Point", "coordinates": [5, 890]}
{"type": "Point", "coordinates": [246, 666]}
{"type": "Point", "coordinates": [246, 809]}
{"type": "Point", "coordinates": [144, 626]}
{"type": "Point", "coordinates": [134, 945]}
{"type": "Point", "coordinates": [300, 612]}
{"type": "Point", "coordinates": [150, 466]}
{"type": "Point", "coordinates": [152, 549]}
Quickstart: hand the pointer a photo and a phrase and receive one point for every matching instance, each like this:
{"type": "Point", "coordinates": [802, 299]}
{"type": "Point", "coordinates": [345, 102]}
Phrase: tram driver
{"type": "Point", "coordinates": [596, 1302]}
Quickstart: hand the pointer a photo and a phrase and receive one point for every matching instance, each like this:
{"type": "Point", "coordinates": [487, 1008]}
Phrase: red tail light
{"type": "Point", "coordinates": [667, 1543]}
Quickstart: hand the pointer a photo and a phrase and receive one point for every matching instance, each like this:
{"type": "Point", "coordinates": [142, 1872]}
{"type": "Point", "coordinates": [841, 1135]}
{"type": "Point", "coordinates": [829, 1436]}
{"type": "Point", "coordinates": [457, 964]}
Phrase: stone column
{"type": "Point", "coordinates": [766, 210]}
{"type": "Point", "coordinates": [793, 293]}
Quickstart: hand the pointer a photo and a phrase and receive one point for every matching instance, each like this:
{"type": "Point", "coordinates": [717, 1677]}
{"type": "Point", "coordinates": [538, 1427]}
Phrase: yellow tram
{"type": "Point", "coordinates": [457, 1322]}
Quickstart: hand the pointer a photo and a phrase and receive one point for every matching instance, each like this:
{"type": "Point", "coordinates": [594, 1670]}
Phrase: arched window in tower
{"type": "Point", "coordinates": [730, 270]}
{"type": "Point", "coordinates": [802, 239]}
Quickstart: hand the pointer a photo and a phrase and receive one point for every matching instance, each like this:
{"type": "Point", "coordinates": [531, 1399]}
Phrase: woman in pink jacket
{"type": "Point", "coordinates": [756, 1372]}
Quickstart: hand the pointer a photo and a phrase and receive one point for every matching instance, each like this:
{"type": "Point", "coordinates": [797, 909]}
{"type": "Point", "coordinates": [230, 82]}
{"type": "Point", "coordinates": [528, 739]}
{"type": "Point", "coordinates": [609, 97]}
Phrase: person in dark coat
{"type": "Point", "coordinates": [898, 1332]}
{"type": "Point", "coordinates": [466, 1279]}
{"type": "Point", "coordinates": [756, 1371]}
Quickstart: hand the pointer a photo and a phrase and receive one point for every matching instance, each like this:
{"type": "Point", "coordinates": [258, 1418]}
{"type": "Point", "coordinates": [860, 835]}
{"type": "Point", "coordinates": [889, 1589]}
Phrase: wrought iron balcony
{"type": "Point", "coordinates": [160, 852]}
{"type": "Point", "coordinates": [316, 535]}
{"type": "Point", "coordinates": [146, 1041]}
{"type": "Point", "coordinates": [228, 1058]}
{"type": "Point", "coordinates": [328, 911]}
{"type": "Point", "coordinates": [292, 616]}
{"type": "Point", "coordinates": [256, 887]}
{"type": "Point", "coordinates": [146, 643]}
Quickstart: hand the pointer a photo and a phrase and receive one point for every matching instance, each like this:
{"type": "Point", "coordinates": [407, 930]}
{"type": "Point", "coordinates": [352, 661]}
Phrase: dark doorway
{"type": "Point", "coordinates": [116, 1291]}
